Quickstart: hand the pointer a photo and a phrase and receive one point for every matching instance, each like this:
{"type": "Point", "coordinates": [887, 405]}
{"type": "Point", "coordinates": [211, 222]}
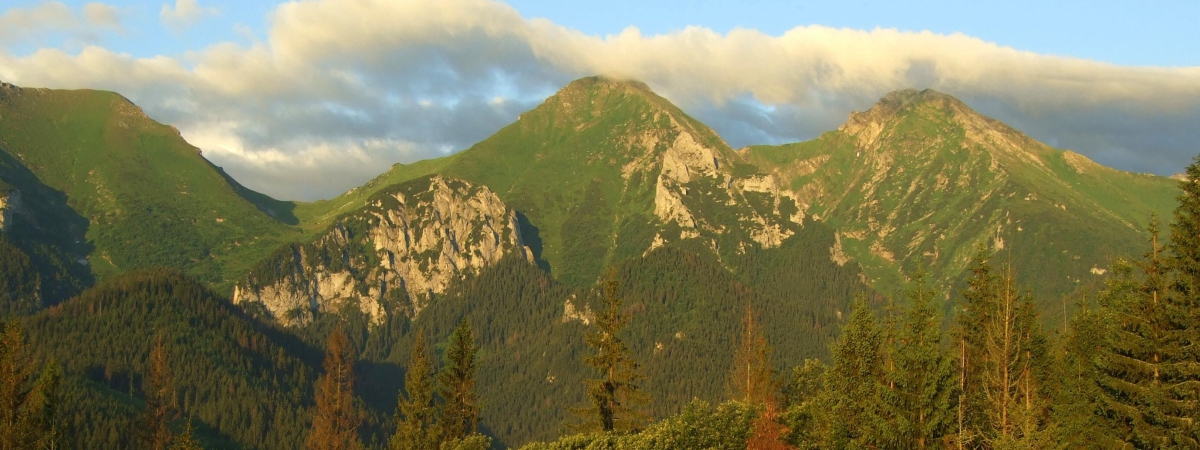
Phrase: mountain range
{"type": "Point", "coordinates": [604, 180]}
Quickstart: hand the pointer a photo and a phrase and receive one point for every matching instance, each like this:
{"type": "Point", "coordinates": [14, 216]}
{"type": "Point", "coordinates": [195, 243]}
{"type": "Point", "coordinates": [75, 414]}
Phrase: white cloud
{"type": "Point", "coordinates": [20, 25]}
{"type": "Point", "coordinates": [184, 14]}
{"type": "Point", "coordinates": [349, 86]}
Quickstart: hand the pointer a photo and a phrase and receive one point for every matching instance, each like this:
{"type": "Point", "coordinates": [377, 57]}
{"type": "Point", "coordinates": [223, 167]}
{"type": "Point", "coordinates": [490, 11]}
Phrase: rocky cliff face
{"type": "Point", "coordinates": [697, 191]}
{"type": "Point", "coordinates": [9, 202]}
{"type": "Point", "coordinates": [410, 241]}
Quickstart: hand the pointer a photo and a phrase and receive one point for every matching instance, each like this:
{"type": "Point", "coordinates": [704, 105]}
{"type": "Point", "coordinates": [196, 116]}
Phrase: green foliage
{"type": "Point", "coordinates": [1145, 366]}
{"type": "Point", "coordinates": [699, 425]}
{"type": "Point", "coordinates": [186, 440]}
{"type": "Point", "coordinates": [923, 392]}
{"type": "Point", "coordinates": [20, 284]}
{"type": "Point", "coordinates": [616, 396]}
{"type": "Point", "coordinates": [416, 428]}
{"type": "Point", "coordinates": [246, 384]}
{"type": "Point", "coordinates": [807, 405]}
{"type": "Point", "coordinates": [28, 407]}
{"type": "Point", "coordinates": [456, 385]}
{"type": "Point", "coordinates": [474, 441]}
{"type": "Point", "coordinates": [856, 382]}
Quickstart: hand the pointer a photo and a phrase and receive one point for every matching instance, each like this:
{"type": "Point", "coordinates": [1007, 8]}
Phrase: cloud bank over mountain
{"type": "Point", "coordinates": [340, 89]}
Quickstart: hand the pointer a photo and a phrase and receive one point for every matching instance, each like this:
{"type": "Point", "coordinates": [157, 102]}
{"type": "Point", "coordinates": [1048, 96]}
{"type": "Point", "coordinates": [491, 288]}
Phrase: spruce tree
{"type": "Point", "coordinates": [1148, 371]}
{"type": "Point", "coordinates": [415, 411]}
{"type": "Point", "coordinates": [159, 389]}
{"type": "Point", "coordinates": [1012, 358]}
{"type": "Point", "coordinates": [1078, 401]}
{"type": "Point", "coordinates": [27, 413]}
{"type": "Point", "coordinates": [972, 316]}
{"type": "Point", "coordinates": [925, 392]}
{"type": "Point", "coordinates": [43, 405]}
{"type": "Point", "coordinates": [456, 385]}
{"type": "Point", "coordinates": [752, 378]}
{"type": "Point", "coordinates": [856, 381]}
{"type": "Point", "coordinates": [807, 405]}
{"type": "Point", "coordinates": [336, 417]}
{"type": "Point", "coordinates": [1182, 375]}
{"type": "Point", "coordinates": [616, 396]}
{"type": "Point", "coordinates": [187, 440]}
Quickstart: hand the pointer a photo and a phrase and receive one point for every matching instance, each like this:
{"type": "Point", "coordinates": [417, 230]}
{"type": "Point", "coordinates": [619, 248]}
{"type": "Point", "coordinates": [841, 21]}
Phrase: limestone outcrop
{"type": "Point", "coordinates": [411, 241]}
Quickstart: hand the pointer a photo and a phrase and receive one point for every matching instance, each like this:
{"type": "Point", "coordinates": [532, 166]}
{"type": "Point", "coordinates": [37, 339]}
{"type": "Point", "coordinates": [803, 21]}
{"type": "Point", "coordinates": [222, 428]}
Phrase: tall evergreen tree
{"type": "Point", "coordinates": [1015, 403]}
{"type": "Point", "coordinates": [856, 381]}
{"type": "Point", "coordinates": [752, 378]}
{"type": "Point", "coordinates": [1149, 374]}
{"type": "Point", "coordinates": [972, 316]}
{"type": "Point", "coordinates": [27, 413]}
{"type": "Point", "coordinates": [336, 417]}
{"type": "Point", "coordinates": [615, 396]}
{"type": "Point", "coordinates": [187, 440]}
{"type": "Point", "coordinates": [806, 405]}
{"type": "Point", "coordinates": [456, 385]}
{"type": "Point", "coordinates": [925, 392]}
{"type": "Point", "coordinates": [1078, 401]}
{"type": "Point", "coordinates": [159, 389]}
{"type": "Point", "coordinates": [43, 406]}
{"type": "Point", "coordinates": [1182, 376]}
{"type": "Point", "coordinates": [415, 412]}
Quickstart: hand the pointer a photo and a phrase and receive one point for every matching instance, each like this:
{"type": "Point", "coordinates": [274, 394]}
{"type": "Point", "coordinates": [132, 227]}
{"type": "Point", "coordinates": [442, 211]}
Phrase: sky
{"type": "Point", "coordinates": [305, 100]}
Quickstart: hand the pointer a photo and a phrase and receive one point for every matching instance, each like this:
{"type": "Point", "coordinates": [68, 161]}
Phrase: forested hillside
{"type": "Point", "coordinates": [603, 273]}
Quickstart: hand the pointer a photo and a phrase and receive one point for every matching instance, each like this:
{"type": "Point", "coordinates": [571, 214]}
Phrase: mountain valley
{"type": "Point", "coordinates": [117, 232]}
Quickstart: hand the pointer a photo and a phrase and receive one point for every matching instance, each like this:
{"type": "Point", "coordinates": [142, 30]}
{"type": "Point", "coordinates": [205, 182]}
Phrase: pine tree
{"type": "Point", "coordinates": [456, 385]}
{"type": "Point", "coordinates": [615, 396]}
{"type": "Point", "coordinates": [27, 414]}
{"type": "Point", "coordinates": [856, 380]}
{"type": "Point", "coordinates": [925, 391]}
{"type": "Point", "coordinates": [415, 411]}
{"type": "Point", "coordinates": [752, 378]}
{"type": "Point", "coordinates": [336, 417]}
{"type": "Point", "coordinates": [159, 389]}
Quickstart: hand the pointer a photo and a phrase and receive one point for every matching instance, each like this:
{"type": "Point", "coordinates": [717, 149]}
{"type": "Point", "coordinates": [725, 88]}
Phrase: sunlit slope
{"type": "Point", "coordinates": [142, 195]}
{"type": "Point", "coordinates": [921, 178]}
{"type": "Point", "coordinates": [584, 170]}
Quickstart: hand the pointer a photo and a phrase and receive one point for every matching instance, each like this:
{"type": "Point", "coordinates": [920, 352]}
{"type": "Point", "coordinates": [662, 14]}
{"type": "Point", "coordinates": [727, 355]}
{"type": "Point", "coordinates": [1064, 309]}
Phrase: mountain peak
{"type": "Point", "coordinates": [897, 102]}
{"type": "Point", "coordinates": [602, 82]}
{"type": "Point", "coordinates": [936, 109]}
{"type": "Point", "coordinates": [588, 97]}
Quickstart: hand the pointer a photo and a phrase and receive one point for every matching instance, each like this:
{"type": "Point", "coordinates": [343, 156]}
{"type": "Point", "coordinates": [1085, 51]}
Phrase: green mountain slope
{"type": "Point", "coordinates": [604, 171]}
{"type": "Point", "coordinates": [246, 385]}
{"type": "Point", "coordinates": [130, 192]}
{"type": "Point", "coordinates": [921, 178]}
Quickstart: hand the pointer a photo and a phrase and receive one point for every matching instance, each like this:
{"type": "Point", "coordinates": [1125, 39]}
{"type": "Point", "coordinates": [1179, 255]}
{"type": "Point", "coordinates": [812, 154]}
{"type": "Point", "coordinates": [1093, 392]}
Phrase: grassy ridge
{"type": "Point", "coordinates": [147, 197]}
{"type": "Point", "coordinates": [922, 179]}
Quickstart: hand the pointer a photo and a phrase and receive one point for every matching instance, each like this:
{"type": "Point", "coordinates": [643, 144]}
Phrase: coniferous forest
{"type": "Point", "coordinates": [156, 360]}
{"type": "Point", "coordinates": [604, 273]}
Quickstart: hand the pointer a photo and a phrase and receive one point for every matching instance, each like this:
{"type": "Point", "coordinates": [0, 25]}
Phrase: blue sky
{"type": "Point", "coordinates": [307, 100]}
{"type": "Point", "coordinates": [1146, 33]}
